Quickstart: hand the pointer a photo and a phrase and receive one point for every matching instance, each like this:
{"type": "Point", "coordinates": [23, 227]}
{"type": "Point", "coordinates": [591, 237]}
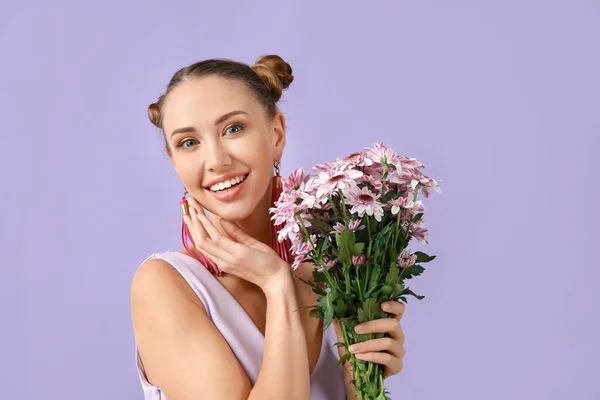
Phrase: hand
{"type": "Point", "coordinates": [236, 252]}
{"type": "Point", "coordinates": [388, 351]}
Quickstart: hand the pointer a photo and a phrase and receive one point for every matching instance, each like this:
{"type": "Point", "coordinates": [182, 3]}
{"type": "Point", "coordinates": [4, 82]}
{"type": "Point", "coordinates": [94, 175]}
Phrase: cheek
{"type": "Point", "coordinates": [189, 174]}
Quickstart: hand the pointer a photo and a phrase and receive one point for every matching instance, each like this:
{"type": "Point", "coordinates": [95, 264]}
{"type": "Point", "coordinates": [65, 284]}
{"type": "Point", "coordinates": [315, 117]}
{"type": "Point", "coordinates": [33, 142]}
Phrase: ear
{"type": "Point", "coordinates": [278, 130]}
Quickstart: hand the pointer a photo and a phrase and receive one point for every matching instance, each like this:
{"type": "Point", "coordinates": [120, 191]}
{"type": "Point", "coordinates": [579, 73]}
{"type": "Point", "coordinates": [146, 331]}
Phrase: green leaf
{"type": "Point", "coordinates": [422, 257]}
{"type": "Point", "coordinates": [358, 249]}
{"type": "Point", "coordinates": [315, 313]}
{"type": "Point", "coordinates": [414, 219]}
{"type": "Point", "coordinates": [345, 243]}
{"type": "Point", "coordinates": [325, 245]}
{"type": "Point", "coordinates": [362, 316]}
{"type": "Point", "coordinates": [409, 292]}
{"type": "Point", "coordinates": [393, 253]}
{"type": "Point", "coordinates": [374, 278]}
{"type": "Point", "coordinates": [393, 274]}
{"type": "Point", "coordinates": [340, 308]}
{"type": "Point", "coordinates": [370, 308]}
{"type": "Point", "coordinates": [386, 290]}
{"type": "Point", "coordinates": [326, 228]}
{"type": "Point", "coordinates": [343, 359]}
{"type": "Point", "coordinates": [316, 289]}
{"type": "Point", "coordinates": [408, 273]}
{"type": "Point", "coordinates": [373, 225]}
{"type": "Point", "coordinates": [397, 290]}
{"type": "Point", "coordinates": [326, 305]}
{"type": "Point", "coordinates": [318, 276]}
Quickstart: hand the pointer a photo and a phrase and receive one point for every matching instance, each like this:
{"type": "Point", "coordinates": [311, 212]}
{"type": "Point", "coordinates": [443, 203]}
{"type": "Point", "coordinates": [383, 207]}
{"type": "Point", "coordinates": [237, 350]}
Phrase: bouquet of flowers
{"type": "Point", "coordinates": [354, 220]}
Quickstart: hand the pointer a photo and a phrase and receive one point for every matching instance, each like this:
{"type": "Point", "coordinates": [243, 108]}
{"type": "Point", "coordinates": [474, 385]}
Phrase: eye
{"type": "Point", "coordinates": [187, 143]}
{"type": "Point", "coordinates": [233, 129]}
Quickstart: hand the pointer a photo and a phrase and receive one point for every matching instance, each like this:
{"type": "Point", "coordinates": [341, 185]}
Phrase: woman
{"type": "Point", "coordinates": [236, 335]}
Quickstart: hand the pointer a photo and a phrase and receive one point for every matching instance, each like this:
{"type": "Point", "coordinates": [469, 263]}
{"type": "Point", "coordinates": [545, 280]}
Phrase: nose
{"type": "Point", "coordinates": [218, 156]}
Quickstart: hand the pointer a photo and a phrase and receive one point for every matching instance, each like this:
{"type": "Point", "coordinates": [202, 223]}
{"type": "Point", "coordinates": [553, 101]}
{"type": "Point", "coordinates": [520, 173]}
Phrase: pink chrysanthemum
{"type": "Point", "coordinates": [374, 184]}
{"type": "Point", "coordinates": [407, 204]}
{"type": "Point", "coordinates": [354, 225]}
{"type": "Point", "coordinates": [328, 264]}
{"type": "Point", "coordinates": [380, 153]}
{"type": "Point", "coordinates": [358, 260]}
{"type": "Point", "coordinates": [419, 233]}
{"type": "Point", "coordinates": [406, 259]}
{"type": "Point", "coordinates": [301, 249]}
{"type": "Point", "coordinates": [294, 180]}
{"type": "Point", "coordinates": [364, 201]}
{"type": "Point", "coordinates": [328, 182]}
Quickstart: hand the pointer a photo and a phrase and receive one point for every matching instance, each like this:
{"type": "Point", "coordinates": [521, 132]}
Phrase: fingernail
{"type": "Point", "coordinates": [358, 329]}
{"type": "Point", "coordinates": [354, 348]}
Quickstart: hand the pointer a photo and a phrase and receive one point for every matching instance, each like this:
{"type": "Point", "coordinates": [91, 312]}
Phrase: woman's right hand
{"type": "Point", "coordinates": [239, 254]}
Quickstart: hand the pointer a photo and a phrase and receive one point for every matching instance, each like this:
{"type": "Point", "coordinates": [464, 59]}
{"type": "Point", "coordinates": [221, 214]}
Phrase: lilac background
{"type": "Point", "coordinates": [500, 99]}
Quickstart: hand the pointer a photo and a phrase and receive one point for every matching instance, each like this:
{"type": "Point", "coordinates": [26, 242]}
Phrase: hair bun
{"type": "Point", "coordinates": [275, 73]}
{"type": "Point", "coordinates": [154, 113]}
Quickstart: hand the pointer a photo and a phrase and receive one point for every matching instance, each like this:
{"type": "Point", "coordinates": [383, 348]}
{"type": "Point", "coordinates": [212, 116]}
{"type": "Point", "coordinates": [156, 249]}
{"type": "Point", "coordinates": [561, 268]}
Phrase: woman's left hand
{"type": "Point", "coordinates": [388, 351]}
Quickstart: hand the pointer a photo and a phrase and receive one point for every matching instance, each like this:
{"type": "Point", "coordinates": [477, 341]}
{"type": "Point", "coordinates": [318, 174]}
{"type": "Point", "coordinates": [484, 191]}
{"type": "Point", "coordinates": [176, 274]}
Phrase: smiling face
{"type": "Point", "coordinates": [217, 131]}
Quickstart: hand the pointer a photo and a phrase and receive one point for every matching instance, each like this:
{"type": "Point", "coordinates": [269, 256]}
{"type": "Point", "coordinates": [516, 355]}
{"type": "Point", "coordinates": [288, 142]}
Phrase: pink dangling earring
{"type": "Point", "coordinates": [283, 248]}
{"type": "Point", "coordinates": [187, 236]}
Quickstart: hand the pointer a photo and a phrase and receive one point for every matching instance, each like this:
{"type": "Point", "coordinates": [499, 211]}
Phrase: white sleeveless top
{"type": "Point", "coordinates": [243, 337]}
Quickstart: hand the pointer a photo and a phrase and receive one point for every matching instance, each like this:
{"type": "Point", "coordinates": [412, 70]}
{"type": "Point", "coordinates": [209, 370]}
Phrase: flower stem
{"type": "Point", "coordinates": [384, 179]}
{"type": "Point", "coordinates": [335, 213]}
{"type": "Point", "coordinates": [370, 238]}
{"type": "Point", "coordinates": [343, 207]}
{"type": "Point", "coordinates": [328, 276]}
{"type": "Point", "coordinates": [357, 381]}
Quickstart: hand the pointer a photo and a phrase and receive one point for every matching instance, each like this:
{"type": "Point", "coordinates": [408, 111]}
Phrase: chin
{"type": "Point", "coordinates": [240, 209]}
{"type": "Point", "coordinates": [232, 213]}
{"type": "Point", "coordinates": [236, 211]}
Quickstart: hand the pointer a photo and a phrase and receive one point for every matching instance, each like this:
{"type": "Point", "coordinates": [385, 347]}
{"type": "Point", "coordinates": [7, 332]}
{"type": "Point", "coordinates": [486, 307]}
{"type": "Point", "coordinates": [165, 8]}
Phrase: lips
{"type": "Point", "coordinates": [226, 184]}
{"type": "Point", "coordinates": [230, 193]}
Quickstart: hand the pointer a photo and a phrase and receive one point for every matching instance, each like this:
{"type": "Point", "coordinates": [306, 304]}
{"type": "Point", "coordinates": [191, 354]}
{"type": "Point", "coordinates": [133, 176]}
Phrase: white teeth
{"type": "Point", "coordinates": [226, 184]}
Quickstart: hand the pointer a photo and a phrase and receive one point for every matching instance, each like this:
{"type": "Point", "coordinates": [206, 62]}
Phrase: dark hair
{"type": "Point", "coordinates": [266, 79]}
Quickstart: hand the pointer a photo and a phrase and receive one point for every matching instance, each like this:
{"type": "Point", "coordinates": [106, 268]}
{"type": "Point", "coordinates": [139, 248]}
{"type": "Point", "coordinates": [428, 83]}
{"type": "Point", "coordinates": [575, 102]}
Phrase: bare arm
{"type": "Point", "coordinates": [285, 372]}
{"type": "Point", "coordinates": [185, 354]}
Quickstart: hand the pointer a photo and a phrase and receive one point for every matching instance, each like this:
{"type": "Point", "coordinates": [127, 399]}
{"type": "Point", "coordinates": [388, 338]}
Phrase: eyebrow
{"type": "Point", "coordinates": [222, 118]}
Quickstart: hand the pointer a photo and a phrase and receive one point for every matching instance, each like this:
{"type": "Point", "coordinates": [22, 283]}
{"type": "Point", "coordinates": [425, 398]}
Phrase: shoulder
{"type": "Point", "coordinates": [160, 286]}
{"type": "Point", "coordinates": [181, 349]}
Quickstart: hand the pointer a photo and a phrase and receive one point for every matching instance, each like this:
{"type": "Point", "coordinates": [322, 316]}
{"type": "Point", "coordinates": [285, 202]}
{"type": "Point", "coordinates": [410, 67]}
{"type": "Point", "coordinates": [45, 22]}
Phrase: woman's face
{"type": "Point", "coordinates": [217, 131]}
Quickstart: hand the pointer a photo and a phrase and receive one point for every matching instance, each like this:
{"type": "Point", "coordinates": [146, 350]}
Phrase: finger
{"type": "Point", "coordinates": [202, 252]}
{"type": "Point", "coordinates": [218, 238]}
{"type": "Point", "coordinates": [195, 227]}
{"type": "Point", "coordinates": [395, 308]}
{"type": "Point", "coordinates": [203, 243]}
{"type": "Point", "coordinates": [338, 331]}
{"type": "Point", "coordinates": [383, 325]}
{"type": "Point", "coordinates": [236, 233]}
{"type": "Point", "coordinates": [205, 247]}
{"type": "Point", "coordinates": [386, 344]}
{"type": "Point", "coordinates": [394, 364]}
